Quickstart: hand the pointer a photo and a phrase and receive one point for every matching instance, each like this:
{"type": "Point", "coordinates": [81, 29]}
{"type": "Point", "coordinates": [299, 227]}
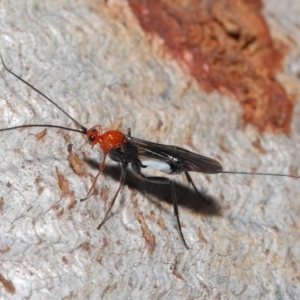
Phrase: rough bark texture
{"type": "Point", "coordinates": [226, 45]}
{"type": "Point", "coordinates": [95, 61]}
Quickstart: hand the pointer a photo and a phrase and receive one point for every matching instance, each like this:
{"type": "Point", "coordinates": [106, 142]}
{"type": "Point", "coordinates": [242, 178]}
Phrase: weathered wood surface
{"type": "Point", "coordinates": [96, 62]}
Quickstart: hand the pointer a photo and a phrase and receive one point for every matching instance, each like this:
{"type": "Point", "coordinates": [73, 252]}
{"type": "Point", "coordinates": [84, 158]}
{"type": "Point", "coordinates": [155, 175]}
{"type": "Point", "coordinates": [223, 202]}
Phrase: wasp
{"type": "Point", "coordinates": [139, 154]}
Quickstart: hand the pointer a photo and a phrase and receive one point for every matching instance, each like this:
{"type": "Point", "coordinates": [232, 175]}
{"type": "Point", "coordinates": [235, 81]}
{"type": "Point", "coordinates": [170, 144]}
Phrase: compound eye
{"type": "Point", "coordinates": [91, 138]}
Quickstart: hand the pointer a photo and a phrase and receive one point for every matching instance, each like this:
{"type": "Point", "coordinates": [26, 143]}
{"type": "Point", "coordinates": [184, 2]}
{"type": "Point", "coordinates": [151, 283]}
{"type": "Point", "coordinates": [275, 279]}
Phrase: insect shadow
{"type": "Point", "coordinates": [200, 203]}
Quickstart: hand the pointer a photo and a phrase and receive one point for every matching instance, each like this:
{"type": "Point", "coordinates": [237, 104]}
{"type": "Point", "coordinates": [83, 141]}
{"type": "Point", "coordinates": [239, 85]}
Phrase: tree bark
{"type": "Point", "coordinates": [95, 61]}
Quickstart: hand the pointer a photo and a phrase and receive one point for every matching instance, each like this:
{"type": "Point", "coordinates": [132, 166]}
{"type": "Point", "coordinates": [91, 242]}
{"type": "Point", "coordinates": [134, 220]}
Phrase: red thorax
{"type": "Point", "coordinates": [108, 141]}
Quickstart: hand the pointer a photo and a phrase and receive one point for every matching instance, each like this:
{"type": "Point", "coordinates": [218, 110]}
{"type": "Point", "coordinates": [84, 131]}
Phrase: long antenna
{"type": "Point", "coordinates": [260, 174]}
{"type": "Point", "coordinates": [43, 125]}
{"type": "Point", "coordinates": [84, 130]}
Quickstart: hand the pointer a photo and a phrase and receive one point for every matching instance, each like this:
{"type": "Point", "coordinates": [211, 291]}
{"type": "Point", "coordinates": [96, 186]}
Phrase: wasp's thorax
{"type": "Point", "coordinates": [108, 141]}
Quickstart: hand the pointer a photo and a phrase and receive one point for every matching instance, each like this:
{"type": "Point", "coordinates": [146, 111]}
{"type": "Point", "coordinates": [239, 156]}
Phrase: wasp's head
{"type": "Point", "coordinates": [93, 135]}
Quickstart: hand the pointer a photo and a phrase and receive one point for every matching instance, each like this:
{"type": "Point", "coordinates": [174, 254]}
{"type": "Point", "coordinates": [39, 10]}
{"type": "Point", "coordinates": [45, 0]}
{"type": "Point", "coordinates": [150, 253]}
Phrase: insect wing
{"type": "Point", "coordinates": [189, 161]}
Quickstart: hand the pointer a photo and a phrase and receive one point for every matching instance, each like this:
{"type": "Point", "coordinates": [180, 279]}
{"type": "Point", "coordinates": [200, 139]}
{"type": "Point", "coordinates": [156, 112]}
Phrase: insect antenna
{"type": "Point", "coordinates": [83, 129]}
{"type": "Point", "coordinates": [43, 125]}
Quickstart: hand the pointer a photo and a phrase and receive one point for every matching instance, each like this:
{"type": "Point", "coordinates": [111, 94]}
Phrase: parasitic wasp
{"type": "Point", "coordinates": [128, 150]}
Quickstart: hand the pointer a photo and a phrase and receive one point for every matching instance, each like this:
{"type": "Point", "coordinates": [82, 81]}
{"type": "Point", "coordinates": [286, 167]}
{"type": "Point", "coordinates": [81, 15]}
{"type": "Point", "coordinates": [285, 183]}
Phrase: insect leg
{"type": "Point", "coordinates": [190, 180]}
{"type": "Point", "coordinates": [129, 132]}
{"type": "Point", "coordinates": [102, 166]}
{"type": "Point", "coordinates": [164, 180]}
{"type": "Point", "coordinates": [124, 166]}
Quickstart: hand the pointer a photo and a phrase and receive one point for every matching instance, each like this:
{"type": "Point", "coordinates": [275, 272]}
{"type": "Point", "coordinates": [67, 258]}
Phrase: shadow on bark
{"type": "Point", "coordinates": [186, 195]}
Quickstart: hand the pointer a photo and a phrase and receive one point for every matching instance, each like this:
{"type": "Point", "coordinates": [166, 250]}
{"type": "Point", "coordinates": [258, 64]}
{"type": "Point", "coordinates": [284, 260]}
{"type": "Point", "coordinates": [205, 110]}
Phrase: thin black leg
{"type": "Point", "coordinates": [124, 166]}
{"type": "Point", "coordinates": [190, 180]}
{"type": "Point", "coordinates": [164, 180]}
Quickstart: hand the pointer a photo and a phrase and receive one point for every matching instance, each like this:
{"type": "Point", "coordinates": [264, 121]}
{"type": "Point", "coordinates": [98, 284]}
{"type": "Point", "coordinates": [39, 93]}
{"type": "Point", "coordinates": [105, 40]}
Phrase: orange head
{"type": "Point", "coordinates": [109, 140]}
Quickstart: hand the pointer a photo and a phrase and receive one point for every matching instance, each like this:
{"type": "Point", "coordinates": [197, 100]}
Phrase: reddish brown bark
{"type": "Point", "coordinates": [226, 46]}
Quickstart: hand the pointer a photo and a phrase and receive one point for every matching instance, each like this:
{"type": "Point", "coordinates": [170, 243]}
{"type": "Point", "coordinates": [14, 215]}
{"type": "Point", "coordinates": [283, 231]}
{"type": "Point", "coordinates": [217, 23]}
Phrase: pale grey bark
{"type": "Point", "coordinates": [95, 61]}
